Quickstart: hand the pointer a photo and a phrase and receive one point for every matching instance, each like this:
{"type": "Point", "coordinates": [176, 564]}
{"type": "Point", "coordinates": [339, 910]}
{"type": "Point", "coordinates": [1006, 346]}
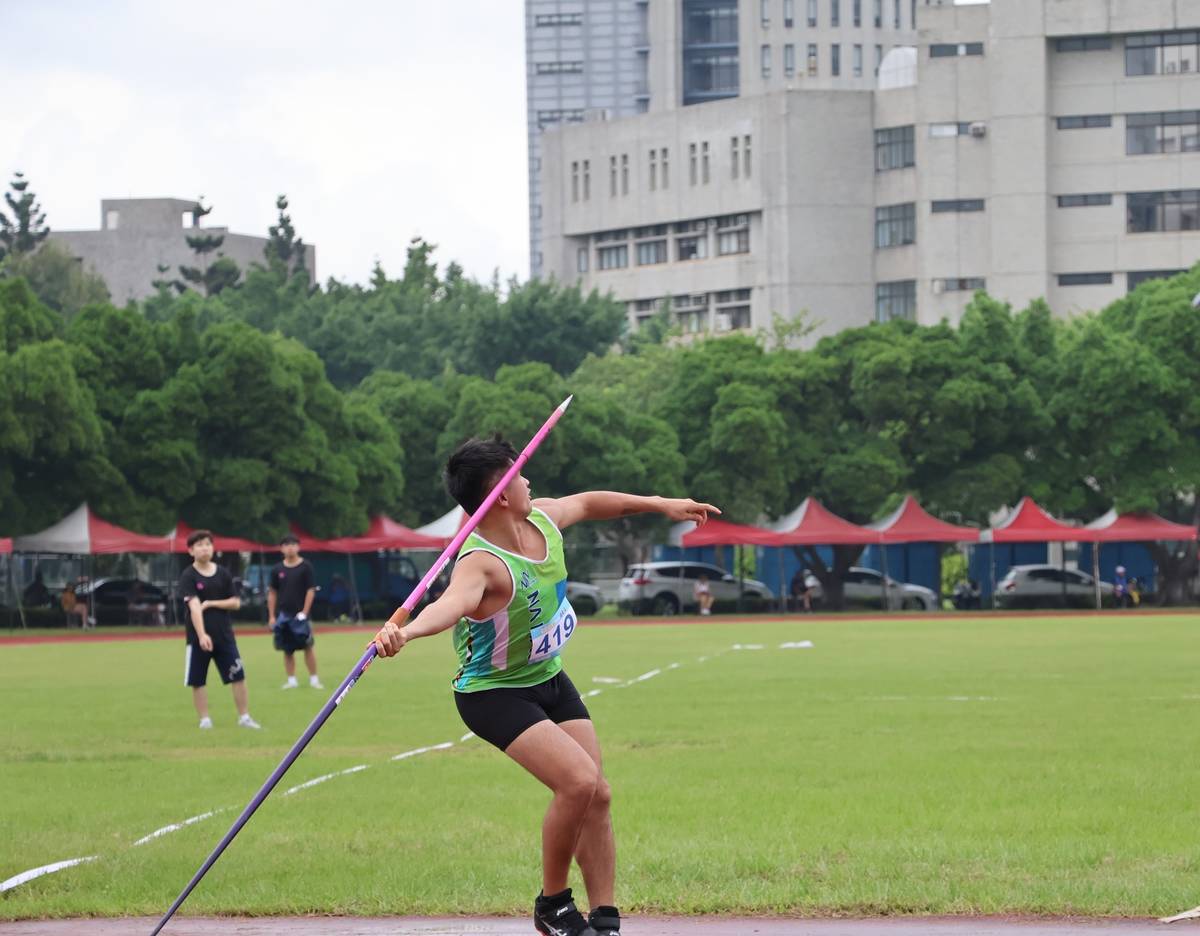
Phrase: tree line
{"type": "Point", "coordinates": [271, 401]}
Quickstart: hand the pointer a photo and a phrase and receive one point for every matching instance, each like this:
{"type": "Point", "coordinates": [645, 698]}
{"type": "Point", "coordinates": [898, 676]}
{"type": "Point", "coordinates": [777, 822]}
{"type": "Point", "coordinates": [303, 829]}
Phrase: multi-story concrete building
{"type": "Point", "coordinates": [584, 60]}
{"type": "Point", "coordinates": [1035, 148]}
{"type": "Point", "coordinates": [138, 235]}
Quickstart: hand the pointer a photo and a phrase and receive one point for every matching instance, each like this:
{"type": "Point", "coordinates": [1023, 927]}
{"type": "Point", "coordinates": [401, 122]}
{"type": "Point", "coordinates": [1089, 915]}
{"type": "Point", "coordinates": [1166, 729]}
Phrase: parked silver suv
{"type": "Point", "coordinates": [669, 587]}
{"type": "Point", "coordinates": [862, 587]}
{"type": "Point", "coordinates": [1049, 586]}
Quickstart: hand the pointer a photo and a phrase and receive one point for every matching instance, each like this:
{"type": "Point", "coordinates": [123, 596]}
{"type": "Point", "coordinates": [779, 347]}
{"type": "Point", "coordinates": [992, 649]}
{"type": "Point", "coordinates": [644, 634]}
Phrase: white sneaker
{"type": "Point", "coordinates": [291, 683]}
{"type": "Point", "coordinates": [315, 682]}
{"type": "Point", "coordinates": [246, 721]}
{"type": "Point", "coordinates": [205, 723]}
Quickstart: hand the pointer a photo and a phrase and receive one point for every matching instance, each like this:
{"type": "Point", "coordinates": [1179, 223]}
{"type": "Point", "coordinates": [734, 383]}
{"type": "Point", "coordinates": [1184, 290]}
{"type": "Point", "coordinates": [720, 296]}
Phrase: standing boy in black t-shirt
{"type": "Point", "coordinates": [289, 601]}
{"type": "Point", "coordinates": [208, 592]}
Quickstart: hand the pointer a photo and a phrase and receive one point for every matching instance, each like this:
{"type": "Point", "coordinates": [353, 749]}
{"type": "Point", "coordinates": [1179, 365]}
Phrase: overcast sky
{"type": "Point", "coordinates": [380, 119]}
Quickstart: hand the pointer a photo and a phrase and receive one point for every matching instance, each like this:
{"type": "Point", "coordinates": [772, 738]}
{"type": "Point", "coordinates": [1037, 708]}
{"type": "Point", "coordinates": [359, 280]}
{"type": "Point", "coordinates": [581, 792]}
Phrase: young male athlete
{"type": "Point", "coordinates": [208, 592]}
{"type": "Point", "coordinates": [290, 593]}
{"type": "Point", "coordinates": [507, 604]}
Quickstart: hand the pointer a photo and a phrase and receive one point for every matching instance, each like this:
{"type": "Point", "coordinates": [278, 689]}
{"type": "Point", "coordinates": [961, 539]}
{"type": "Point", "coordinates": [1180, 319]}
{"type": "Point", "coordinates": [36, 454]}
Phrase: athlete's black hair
{"type": "Point", "coordinates": [196, 535]}
{"type": "Point", "coordinates": [289, 538]}
{"type": "Point", "coordinates": [474, 467]}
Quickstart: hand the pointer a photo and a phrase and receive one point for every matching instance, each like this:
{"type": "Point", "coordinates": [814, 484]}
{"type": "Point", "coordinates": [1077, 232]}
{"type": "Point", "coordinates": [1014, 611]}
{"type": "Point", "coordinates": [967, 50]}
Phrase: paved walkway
{"type": "Point", "coordinates": [634, 926]}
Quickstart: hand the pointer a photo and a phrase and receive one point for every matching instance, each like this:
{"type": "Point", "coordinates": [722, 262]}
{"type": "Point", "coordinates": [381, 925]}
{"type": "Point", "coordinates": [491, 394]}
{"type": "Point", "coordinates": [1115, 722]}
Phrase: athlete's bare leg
{"type": "Point", "coordinates": [596, 851]}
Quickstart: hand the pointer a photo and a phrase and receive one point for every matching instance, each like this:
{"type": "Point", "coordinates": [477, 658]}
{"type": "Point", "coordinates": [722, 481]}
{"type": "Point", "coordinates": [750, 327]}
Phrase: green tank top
{"type": "Point", "coordinates": [520, 645]}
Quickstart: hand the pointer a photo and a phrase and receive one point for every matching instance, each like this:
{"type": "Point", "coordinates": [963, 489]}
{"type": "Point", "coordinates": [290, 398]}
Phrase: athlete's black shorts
{"type": "Point", "coordinates": [500, 715]}
{"type": "Point", "coordinates": [224, 653]}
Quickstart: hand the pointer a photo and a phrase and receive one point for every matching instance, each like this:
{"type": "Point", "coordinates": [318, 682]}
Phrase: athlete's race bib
{"type": "Point", "coordinates": [548, 639]}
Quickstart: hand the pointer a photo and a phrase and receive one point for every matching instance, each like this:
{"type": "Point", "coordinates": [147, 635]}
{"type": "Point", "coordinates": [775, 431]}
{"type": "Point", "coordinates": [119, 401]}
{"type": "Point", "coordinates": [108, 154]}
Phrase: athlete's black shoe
{"type": "Point", "coordinates": [606, 921]}
{"type": "Point", "coordinates": [557, 915]}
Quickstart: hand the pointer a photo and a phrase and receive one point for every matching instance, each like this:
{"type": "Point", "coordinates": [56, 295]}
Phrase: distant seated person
{"type": "Point", "coordinates": [703, 595]}
{"type": "Point", "coordinates": [142, 610]}
{"type": "Point", "coordinates": [1122, 593]}
{"type": "Point", "coordinates": [36, 594]}
{"type": "Point", "coordinates": [967, 595]}
{"type": "Point", "coordinates": [800, 590]}
{"type": "Point", "coordinates": [75, 607]}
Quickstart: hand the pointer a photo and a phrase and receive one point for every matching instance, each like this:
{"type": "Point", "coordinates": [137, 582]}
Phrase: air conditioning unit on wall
{"type": "Point", "coordinates": [978, 129]}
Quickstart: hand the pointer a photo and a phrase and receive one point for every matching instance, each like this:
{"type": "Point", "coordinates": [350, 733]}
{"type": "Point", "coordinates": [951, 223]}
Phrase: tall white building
{"type": "Point", "coordinates": [1030, 147]}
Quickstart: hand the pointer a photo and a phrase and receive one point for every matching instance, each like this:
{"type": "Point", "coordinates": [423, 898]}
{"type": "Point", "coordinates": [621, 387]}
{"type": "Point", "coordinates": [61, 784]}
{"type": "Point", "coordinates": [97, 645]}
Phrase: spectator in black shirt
{"type": "Point", "coordinates": [290, 596]}
{"type": "Point", "coordinates": [208, 592]}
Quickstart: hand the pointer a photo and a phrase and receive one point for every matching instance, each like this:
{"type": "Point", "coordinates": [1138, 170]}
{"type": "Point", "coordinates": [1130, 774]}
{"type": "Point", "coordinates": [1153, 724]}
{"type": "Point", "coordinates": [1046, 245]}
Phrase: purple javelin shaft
{"type": "Point", "coordinates": [360, 667]}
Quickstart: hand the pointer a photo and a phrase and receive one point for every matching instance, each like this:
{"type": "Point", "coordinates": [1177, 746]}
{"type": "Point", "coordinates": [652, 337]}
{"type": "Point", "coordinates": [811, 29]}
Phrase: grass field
{"type": "Point", "coordinates": [1042, 765]}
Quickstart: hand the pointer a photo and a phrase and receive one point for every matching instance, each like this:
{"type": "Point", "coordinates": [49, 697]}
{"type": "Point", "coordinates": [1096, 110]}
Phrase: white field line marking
{"type": "Point", "coordinates": [796, 645]}
{"type": "Point", "coordinates": [329, 776]}
{"type": "Point", "coordinates": [24, 876]}
{"type": "Point", "coordinates": [747, 647]}
{"type": "Point", "coordinates": [953, 698]}
{"type": "Point", "coordinates": [610, 680]}
{"type": "Point", "coordinates": [423, 750]}
{"type": "Point", "coordinates": [649, 675]}
{"type": "Point", "coordinates": [467, 737]}
{"type": "Point", "coordinates": [592, 693]}
{"type": "Point", "coordinates": [176, 826]}
{"type": "Point", "coordinates": [1186, 915]}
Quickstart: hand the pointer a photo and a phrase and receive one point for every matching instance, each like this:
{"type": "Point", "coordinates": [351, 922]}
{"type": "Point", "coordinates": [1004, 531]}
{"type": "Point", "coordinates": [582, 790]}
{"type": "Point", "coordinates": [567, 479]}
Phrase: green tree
{"type": "Point", "coordinates": [57, 278]}
{"type": "Point", "coordinates": [211, 276]}
{"type": "Point", "coordinates": [284, 251]}
{"type": "Point", "coordinates": [25, 230]}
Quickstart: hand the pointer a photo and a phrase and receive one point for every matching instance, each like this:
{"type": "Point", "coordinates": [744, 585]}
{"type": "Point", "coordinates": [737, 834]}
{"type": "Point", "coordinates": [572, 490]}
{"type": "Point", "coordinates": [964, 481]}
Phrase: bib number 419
{"type": "Point", "coordinates": [548, 640]}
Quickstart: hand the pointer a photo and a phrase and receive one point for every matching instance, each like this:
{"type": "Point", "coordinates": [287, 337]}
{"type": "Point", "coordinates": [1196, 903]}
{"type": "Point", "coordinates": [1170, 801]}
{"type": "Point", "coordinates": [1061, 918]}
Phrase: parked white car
{"type": "Point", "coordinates": [669, 587]}
{"type": "Point", "coordinates": [864, 587]}
{"type": "Point", "coordinates": [585, 599]}
{"type": "Point", "coordinates": [1049, 586]}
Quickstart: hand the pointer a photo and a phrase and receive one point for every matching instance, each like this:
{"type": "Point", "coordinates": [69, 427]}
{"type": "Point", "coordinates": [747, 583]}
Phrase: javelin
{"type": "Point", "coordinates": [398, 617]}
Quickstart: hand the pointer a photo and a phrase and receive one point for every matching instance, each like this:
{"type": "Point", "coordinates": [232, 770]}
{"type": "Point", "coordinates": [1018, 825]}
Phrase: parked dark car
{"type": "Point", "coordinates": [124, 600]}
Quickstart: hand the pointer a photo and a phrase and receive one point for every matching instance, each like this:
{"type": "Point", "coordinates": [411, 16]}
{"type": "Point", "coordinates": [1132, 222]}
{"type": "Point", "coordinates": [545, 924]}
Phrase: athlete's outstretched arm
{"type": "Point", "coordinates": [608, 505]}
{"type": "Point", "coordinates": [461, 597]}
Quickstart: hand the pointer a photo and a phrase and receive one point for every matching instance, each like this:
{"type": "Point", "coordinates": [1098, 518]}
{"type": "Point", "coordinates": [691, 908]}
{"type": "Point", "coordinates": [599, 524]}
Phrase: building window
{"type": "Point", "coordinates": [112, 219]}
{"type": "Point", "coordinates": [651, 252]}
{"type": "Point", "coordinates": [895, 225]}
{"type": "Point", "coordinates": [857, 60]}
{"type": "Point", "coordinates": [896, 300]}
{"type": "Point", "coordinates": [812, 60]}
{"type": "Point", "coordinates": [587, 179]}
{"type": "Point", "coordinates": [691, 163]}
{"type": "Point", "coordinates": [709, 75]}
{"type": "Point", "coordinates": [835, 60]}
{"type": "Point", "coordinates": [1084, 122]}
{"type": "Point", "coordinates": [581, 260]}
{"type": "Point", "coordinates": [896, 14]}
{"type": "Point", "coordinates": [789, 13]}
{"type": "Point", "coordinates": [1164, 132]}
{"type": "Point", "coordinates": [1085, 201]}
{"type": "Point", "coordinates": [666, 175]}
{"type": "Point", "coordinates": [857, 12]}
{"type": "Point", "coordinates": [812, 14]}
{"type": "Point", "coordinates": [624, 173]}
{"type": "Point", "coordinates": [878, 14]}
{"type": "Point", "coordinates": [558, 68]}
{"type": "Point", "coordinates": [964, 284]}
{"type": "Point", "coordinates": [1148, 212]}
{"type": "Point", "coordinates": [878, 58]}
{"type": "Point", "coordinates": [612, 258]}
{"type": "Point", "coordinates": [1083, 44]}
{"type": "Point", "coordinates": [957, 205]}
{"type": "Point", "coordinates": [1135, 279]}
{"type": "Point", "coordinates": [835, 12]}
{"type": "Point", "coordinates": [1162, 53]}
{"type": "Point", "coordinates": [732, 309]}
{"type": "Point", "coordinates": [950, 49]}
{"type": "Point", "coordinates": [789, 60]}
{"type": "Point", "coordinates": [558, 19]}
{"type": "Point", "coordinates": [766, 13]}
{"type": "Point", "coordinates": [733, 235]}
{"type": "Point", "coordinates": [894, 149]}
{"type": "Point", "coordinates": [733, 157]}
{"type": "Point", "coordinates": [1085, 279]}
{"type": "Point", "coordinates": [569, 115]}
{"type": "Point", "coordinates": [653, 169]}
{"type": "Point", "coordinates": [746, 155]}
{"type": "Point", "coordinates": [940, 130]}
{"type": "Point", "coordinates": [764, 58]}
{"type": "Point", "coordinates": [692, 247]}
{"type": "Point", "coordinates": [704, 162]}
{"type": "Point", "coordinates": [575, 181]}
{"type": "Point", "coordinates": [612, 176]}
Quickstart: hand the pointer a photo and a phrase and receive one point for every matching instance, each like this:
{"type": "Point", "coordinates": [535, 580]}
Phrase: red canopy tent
{"type": "Point", "coordinates": [1029, 523]}
{"type": "Point", "coordinates": [812, 524]}
{"type": "Point", "coordinates": [384, 533]}
{"type": "Point", "coordinates": [912, 523]}
{"type": "Point", "coordinates": [5, 546]}
{"type": "Point", "coordinates": [717, 532]}
{"type": "Point", "coordinates": [1137, 527]}
{"type": "Point", "coordinates": [81, 532]}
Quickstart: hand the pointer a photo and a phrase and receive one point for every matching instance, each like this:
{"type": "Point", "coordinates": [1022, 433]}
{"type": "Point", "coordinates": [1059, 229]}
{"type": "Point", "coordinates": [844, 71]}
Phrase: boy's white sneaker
{"type": "Point", "coordinates": [291, 683]}
{"type": "Point", "coordinates": [246, 721]}
{"type": "Point", "coordinates": [205, 723]}
{"type": "Point", "coordinates": [315, 682]}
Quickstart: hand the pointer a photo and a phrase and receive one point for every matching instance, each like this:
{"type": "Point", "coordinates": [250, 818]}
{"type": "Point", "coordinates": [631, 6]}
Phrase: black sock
{"type": "Point", "coordinates": [555, 900]}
